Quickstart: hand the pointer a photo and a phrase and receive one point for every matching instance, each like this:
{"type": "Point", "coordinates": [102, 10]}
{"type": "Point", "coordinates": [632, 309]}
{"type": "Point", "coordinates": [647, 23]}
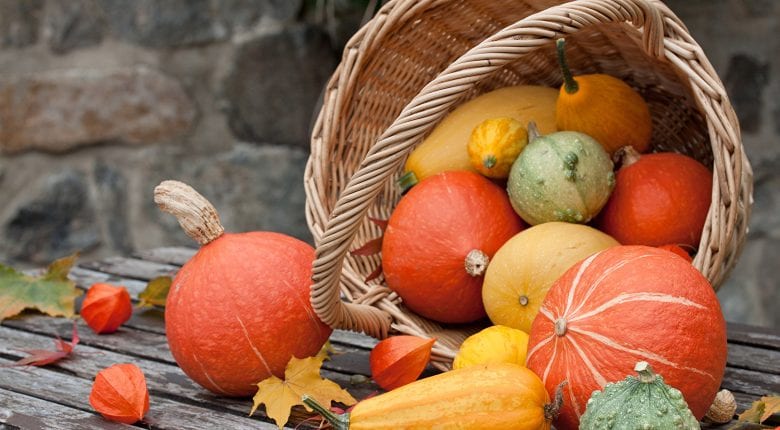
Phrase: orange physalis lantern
{"type": "Point", "coordinates": [399, 360]}
{"type": "Point", "coordinates": [119, 393]}
{"type": "Point", "coordinates": [106, 307]}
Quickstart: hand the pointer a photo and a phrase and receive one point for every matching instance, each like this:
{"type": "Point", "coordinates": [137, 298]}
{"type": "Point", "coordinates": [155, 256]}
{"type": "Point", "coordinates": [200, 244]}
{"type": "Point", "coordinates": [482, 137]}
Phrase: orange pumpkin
{"type": "Point", "coordinates": [658, 199]}
{"type": "Point", "coordinates": [439, 240]}
{"type": "Point", "coordinates": [239, 309]}
{"type": "Point", "coordinates": [622, 305]}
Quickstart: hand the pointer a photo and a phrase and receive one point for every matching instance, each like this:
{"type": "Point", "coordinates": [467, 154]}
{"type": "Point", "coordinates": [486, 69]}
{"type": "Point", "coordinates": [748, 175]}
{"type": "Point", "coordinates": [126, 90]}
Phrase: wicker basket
{"type": "Point", "coordinates": [416, 60]}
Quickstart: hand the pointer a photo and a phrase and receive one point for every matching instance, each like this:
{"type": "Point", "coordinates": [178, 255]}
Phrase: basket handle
{"type": "Point", "coordinates": [424, 111]}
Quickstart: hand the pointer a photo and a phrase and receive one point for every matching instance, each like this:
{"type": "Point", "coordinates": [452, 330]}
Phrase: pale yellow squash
{"type": "Point", "coordinates": [445, 148]}
{"type": "Point", "coordinates": [525, 267]}
{"type": "Point", "coordinates": [494, 344]}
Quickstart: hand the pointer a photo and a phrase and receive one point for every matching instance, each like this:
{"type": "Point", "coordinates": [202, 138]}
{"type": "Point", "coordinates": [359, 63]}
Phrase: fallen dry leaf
{"type": "Point", "coordinates": [119, 393]}
{"type": "Point", "coordinates": [761, 410]}
{"type": "Point", "coordinates": [302, 376]}
{"type": "Point", "coordinates": [42, 357]}
{"type": "Point", "coordinates": [51, 293]}
{"type": "Point", "coordinates": [155, 293]}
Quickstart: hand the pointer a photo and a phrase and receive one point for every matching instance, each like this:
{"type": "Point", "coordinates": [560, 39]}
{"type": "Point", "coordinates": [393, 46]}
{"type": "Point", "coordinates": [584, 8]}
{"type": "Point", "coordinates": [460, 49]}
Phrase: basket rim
{"type": "Point", "coordinates": [669, 38]}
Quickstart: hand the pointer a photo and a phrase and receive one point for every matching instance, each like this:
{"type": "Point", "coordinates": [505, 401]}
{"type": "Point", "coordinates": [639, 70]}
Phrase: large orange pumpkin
{"type": "Point", "coordinates": [622, 305]}
{"type": "Point", "coordinates": [439, 240]}
{"type": "Point", "coordinates": [239, 309]}
{"type": "Point", "coordinates": [659, 199]}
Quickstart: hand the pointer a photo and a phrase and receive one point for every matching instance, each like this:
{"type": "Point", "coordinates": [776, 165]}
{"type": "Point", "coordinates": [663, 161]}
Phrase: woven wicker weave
{"type": "Point", "coordinates": [416, 60]}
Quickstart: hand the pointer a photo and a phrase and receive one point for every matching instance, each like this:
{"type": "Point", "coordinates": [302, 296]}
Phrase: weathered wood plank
{"type": "Point", "coordinates": [84, 278]}
{"type": "Point", "coordinates": [754, 358]}
{"type": "Point", "coordinates": [750, 382]}
{"type": "Point", "coordinates": [132, 268]}
{"type": "Point", "coordinates": [353, 339]}
{"type": "Point", "coordinates": [164, 414]}
{"type": "Point", "coordinates": [19, 411]}
{"type": "Point", "coordinates": [175, 255]}
{"type": "Point", "coordinates": [125, 341]}
{"type": "Point", "coordinates": [165, 379]}
{"type": "Point", "coordinates": [753, 335]}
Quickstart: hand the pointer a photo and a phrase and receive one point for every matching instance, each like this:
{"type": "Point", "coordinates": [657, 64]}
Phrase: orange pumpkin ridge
{"type": "Point", "coordinates": [427, 247]}
{"type": "Point", "coordinates": [623, 305]}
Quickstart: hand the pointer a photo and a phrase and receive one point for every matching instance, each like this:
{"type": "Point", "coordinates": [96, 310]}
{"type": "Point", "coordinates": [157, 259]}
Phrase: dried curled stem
{"type": "Point", "coordinates": [196, 215]}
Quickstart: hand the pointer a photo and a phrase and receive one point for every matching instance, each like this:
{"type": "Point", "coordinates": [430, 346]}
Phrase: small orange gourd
{"type": "Point", "coordinates": [239, 309]}
{"type": "Point", "coordinates": [603, 107]}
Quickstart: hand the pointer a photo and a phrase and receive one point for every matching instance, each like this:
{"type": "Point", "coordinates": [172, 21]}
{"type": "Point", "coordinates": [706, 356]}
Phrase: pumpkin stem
{"type": "Point", "coordinates": [476, 262]}
{"type": "Point", "coordinates": [533, 131]}
{"type": "Point", "coordinates": [723, 408]}
{"type": "Point", "coordinates": [560, 326]}
{"type": "Point", "coordinates": [339, 422]}
{"type": "Point", "coordinates": [552, 410]}
{"type": "Point", "coordinates": [407, 181]}
{"type": "Point", "coordinates": [195, 214]}
{"type": "Point", "coordinates": [627, 155]}
{"type": "Point", "coordinates": [645, 372]}
{"type": "Point", "coordinates": [569, 84]}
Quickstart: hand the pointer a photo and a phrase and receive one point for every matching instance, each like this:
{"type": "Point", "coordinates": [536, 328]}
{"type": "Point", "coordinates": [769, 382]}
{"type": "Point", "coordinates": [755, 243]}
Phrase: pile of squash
{"type": "Point", "coordinates": [540, 211]}
{"type": "Point", "coordinates": [537, 212]}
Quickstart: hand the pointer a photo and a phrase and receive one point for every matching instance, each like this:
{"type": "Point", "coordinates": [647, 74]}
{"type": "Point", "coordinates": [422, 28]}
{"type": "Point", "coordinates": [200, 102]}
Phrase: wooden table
{"type": "Point", "coordinates": [56, 396]}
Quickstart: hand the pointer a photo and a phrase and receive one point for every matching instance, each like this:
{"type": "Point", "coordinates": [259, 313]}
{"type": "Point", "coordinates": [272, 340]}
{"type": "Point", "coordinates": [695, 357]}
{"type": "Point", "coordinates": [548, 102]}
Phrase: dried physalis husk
{"type": "Point", "coordinates": [399, 360]}
{"type": "Point", "coordinates": [119, 393]}
{"type": "Point", "coordinates": [723, 408]}
{"type": "Point", "coordinates": [106, 307]}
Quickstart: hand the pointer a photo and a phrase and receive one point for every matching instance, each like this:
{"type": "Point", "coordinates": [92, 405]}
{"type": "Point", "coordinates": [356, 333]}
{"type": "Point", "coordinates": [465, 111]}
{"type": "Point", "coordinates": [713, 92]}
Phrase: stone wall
{"type": "Point", "coordinates": [100, 100]}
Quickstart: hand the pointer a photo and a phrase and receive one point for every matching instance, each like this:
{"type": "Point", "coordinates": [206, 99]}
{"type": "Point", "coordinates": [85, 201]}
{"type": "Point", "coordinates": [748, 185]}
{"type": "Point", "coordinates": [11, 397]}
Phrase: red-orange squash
{"type": "Point", "coordinates": [659, 199]}
{"type": "Point", "coordinates": [439, 240]}
{"type": "Point", "coordinates": [239, 309]}
{"type": "Point", "coordinates": [622, 305]}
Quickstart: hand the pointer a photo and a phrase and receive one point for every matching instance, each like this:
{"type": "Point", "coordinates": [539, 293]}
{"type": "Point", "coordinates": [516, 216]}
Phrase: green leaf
{"type": "Point", "coordinates": [51, 293]}
{"type": "Point", "coordinates": [155, 293]}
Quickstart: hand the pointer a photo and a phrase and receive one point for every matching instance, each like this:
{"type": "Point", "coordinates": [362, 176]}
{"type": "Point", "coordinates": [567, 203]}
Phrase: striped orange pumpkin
{"type": "Point", "coordinates": [623, 305]}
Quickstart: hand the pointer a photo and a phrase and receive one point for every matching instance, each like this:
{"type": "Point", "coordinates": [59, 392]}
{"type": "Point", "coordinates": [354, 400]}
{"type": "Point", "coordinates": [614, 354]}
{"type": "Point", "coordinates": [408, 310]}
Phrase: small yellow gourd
{"type": "Point", "coordinates": [495, 144]}
{"type": "Point", "coordinates": [483, 397]}
{"type": "Point", "coordinates": [445, 148]}
{"type": "Point", "coordinates": [603, 107]}
{"type": "Point", "coordinates": [495, 344]}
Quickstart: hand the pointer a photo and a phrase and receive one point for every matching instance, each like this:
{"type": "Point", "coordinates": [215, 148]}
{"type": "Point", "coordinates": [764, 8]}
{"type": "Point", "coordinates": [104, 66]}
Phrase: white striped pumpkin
{"type": "Point", "coordinates": [623, 305]}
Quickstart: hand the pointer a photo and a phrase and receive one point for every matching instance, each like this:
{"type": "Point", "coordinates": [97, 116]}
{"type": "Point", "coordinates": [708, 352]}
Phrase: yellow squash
{"type": "Point", "coordinates": [495, 396]}
{"type": "Point", "coordinates": [603, 107]}
{"type": "Point", "coordinates": [445, 148]}
{"type": "Point", "coordinates": [525, 267]}
{"type": "Point", "coordinates": [495, 144]}
{"type": "Point", "coordinates": [495, 344]}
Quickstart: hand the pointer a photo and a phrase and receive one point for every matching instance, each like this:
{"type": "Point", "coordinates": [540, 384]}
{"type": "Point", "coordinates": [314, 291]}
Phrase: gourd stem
{"type": "Point", "coordinates": [628, 156]}
{"type": "Point", "coordinates": [569, 84]}
{"type": "Point", "coordinates": [533, 131]}
{"type": "Point", "coordinates": [645, 372]}
{"type": "Point", "coordinates": [339, 422]}
{"type": "Point", "coordinates": [476, 262]}
{"type": "Point", "coordinates": [407, 181]}
{"type": "Point", "coordinates": [552, 410]}
{"type": "Point", "coordinates": [490, 161]}
{"type": "Point", "coordinates": [196, 215]}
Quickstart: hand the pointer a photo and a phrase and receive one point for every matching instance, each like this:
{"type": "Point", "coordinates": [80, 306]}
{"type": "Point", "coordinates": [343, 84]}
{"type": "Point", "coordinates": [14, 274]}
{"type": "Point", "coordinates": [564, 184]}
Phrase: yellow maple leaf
{"type": "Point", "coordinates": [301, 376]}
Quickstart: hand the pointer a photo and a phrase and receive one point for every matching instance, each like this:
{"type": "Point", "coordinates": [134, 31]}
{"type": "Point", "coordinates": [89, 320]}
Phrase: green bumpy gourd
{"type": "Point", "coordinates": [643, 402]}
{"type": "Point", "coordinates": [563, 176]}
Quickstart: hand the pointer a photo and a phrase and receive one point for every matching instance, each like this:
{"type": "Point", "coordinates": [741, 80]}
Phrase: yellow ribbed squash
{"type": "Point", "coordinates": [495, 344]}
{"type": "Point", "coordinates": [484, 397]}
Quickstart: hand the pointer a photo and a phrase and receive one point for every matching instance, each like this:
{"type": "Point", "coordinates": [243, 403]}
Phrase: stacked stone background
{"type": "Point", "coordinates": [100, 100]}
